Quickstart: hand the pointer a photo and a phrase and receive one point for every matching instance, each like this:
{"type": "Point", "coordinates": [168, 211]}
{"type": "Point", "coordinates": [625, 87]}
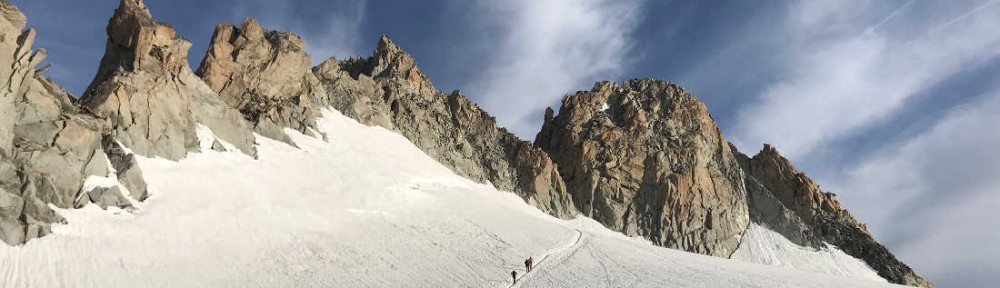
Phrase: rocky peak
{"type": "Point", "coordinates": [265, 75]}
{"type": "Point", "coordinates": [390, 58]}
{"type": "Point", "coordinates": [136, 41]}
{"type": "Point", "coordinates": [392, 64]}
{"type": "Point", "coordinates": [645, 158]}
{"type": "Point", "coordinates": [147, 93]}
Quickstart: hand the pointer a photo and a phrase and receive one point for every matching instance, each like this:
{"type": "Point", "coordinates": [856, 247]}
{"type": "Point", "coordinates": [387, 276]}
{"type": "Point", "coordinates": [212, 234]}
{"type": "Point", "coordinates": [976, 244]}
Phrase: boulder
{"type": "Point", "coordinates": [127, 169]}
{"type": "Point", "coordinates": [108, 197]}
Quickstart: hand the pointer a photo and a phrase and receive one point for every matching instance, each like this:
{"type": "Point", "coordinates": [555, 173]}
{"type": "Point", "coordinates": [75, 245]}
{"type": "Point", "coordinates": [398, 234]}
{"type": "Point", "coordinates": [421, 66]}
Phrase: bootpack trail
{"type": "Point", "coordinates": [568, 248]}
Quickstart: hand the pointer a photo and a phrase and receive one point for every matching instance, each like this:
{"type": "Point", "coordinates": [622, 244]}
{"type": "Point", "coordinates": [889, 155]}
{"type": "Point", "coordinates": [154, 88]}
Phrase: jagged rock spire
{"type": "Point", "coordinates": [136, 41]}
{"type": "Point", "coordinates": [266, 75]}
{"type": "Point", "coordinates": [391, 62]}
{"type": "Point", "coordinates": [148, 93]}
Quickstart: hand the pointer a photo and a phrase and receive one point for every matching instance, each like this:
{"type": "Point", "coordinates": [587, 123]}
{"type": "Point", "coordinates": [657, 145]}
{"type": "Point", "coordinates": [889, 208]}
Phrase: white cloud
{"type": "Point", "coordinates": [932, 198]}
{"type": "Point", "coordinates": [836, 83]}
{"type": "Point", "coordinates": [547, 49]}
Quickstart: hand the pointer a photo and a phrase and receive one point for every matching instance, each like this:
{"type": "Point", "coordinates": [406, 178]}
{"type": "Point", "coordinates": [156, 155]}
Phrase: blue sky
{"type": "Point", "coordinates": [891, 104]}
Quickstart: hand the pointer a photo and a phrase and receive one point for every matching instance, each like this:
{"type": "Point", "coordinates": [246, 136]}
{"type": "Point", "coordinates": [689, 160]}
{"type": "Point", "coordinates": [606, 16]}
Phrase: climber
{"type": "Point", "coordinates": [513, 274]}
{"type": "Point", "coordinates": [528, 263]}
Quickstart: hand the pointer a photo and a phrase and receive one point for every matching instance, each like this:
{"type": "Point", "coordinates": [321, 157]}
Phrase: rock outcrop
{"type": "Point", "coordinates": [264, 74]}
{"type": "Point", "coordinates": [645, 158]}
{"type": "Point", "coordinates": [389, 90]}
{"type": "Point", "coordinates": [48, 146]}
{"type": "Point", "coordinates": [143, 99]}
{"type": "Point", "coordinates": [150, 97]}
{"type": "Point", "coordinates": [792, 204]}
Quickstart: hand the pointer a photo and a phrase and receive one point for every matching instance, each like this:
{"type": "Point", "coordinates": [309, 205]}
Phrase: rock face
{"type": "Point", "coordinates": [796, 207]}
{"type": "Point", "coordinates": [645, 158]}
{"type": "Point", "coordinates": [265, 75]}
{"type": "Point", "coordinates": [389, 90]}
{"type": "Point", "coordinates": [148, 94]}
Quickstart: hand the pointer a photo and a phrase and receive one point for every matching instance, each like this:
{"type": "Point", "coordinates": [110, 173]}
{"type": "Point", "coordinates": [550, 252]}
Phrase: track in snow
{"type": "Point", "coordinates": [568, 249]}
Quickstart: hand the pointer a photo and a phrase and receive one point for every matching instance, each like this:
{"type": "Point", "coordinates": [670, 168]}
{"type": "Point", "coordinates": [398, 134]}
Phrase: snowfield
{"type": "Point", "coordinates": [364, 209]}
{"type": "Point", "coordinates": [761, 245]}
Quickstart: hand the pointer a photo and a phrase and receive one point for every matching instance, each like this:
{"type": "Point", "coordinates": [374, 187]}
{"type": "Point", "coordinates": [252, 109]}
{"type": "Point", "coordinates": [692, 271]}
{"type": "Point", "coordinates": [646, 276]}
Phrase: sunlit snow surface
{"type": "Point", "coordinates": [365, 209]}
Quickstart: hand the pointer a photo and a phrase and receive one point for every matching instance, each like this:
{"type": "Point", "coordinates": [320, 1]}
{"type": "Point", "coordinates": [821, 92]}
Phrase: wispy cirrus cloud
{"type": "Point", "coordinates": [842, 76]}
{"type": "Point", "coordinates": [932, 197]}
{"type": "Point", "coordinates": [546, 49]}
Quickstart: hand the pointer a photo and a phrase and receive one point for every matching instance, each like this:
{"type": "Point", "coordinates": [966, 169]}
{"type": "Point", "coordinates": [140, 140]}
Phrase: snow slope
{"type": "Point", "coordinates": [763, 246]}
{"type": "Point", "coordinates": [366, 209]}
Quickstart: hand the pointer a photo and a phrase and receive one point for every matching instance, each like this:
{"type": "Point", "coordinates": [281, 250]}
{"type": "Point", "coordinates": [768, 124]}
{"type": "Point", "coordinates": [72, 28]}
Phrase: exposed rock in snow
{"type": "Point", "coordinates": [108, 197]}
{"type": "Point", "coordinates": [656, 167]}
{"type": "Point", "coordinates": [126, 169]}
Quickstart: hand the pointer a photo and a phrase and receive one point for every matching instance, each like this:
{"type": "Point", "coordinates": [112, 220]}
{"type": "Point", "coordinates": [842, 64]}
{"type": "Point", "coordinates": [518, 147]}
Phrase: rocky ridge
{"type": "Point", "coordinates": [643, 157]}
{"type": "Point", "coordinates": [389, 90]}
{"type": "Point", "coordinates": [816, 216]}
